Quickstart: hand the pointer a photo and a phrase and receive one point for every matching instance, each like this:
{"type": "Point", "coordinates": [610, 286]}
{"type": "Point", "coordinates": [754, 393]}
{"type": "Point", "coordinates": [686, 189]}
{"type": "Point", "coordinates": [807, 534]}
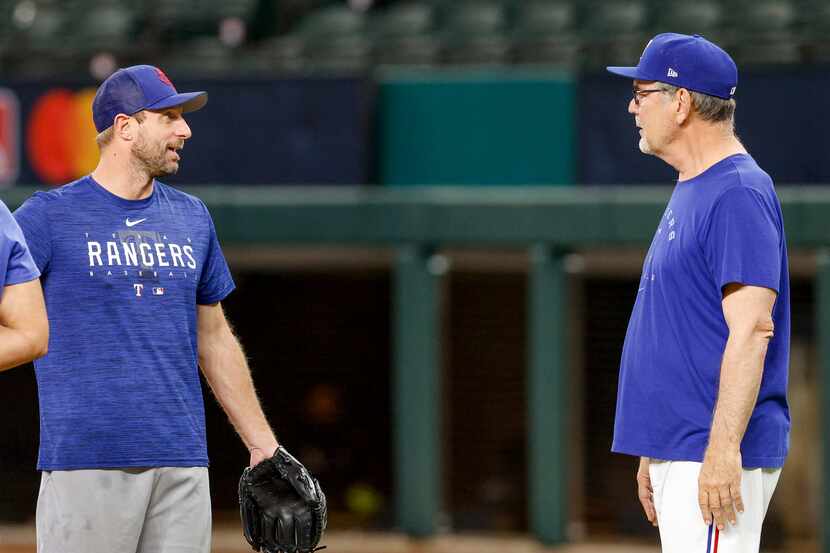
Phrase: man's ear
{"type": "Point", "coordinates": [124, 126]}
{"type": "Point", "coordinates": [684, 106]}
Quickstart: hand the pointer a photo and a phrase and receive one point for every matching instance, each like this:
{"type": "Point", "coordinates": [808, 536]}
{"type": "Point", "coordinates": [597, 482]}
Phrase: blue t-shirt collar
{"type": "Point", "coordinates": [118, 200]}
{"type": "Point", "coordinates": [714, 167]}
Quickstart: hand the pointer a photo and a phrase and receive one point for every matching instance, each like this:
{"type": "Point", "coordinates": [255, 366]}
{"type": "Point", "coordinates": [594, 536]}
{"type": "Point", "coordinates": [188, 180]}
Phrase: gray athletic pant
{"type": "Point", "coordinates": [158, 510]}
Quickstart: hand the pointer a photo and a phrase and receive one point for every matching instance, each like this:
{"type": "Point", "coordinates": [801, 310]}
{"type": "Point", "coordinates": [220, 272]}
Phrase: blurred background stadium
{"type": "Point", "coordinates": [436, 218]}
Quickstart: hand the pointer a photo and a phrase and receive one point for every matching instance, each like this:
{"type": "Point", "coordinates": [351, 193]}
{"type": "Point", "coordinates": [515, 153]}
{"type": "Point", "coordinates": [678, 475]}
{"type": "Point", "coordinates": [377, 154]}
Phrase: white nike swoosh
{"type": "Point", "coordinates": [134, 223]}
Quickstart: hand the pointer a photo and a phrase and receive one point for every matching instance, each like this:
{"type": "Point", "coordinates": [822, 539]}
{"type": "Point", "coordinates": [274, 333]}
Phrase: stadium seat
{"type": "Point", "coordinates": [10, 24]}
{"type": "Point", "coordinates": [47, 28]}
{"type": "Point", "coordinates": [543, 33]}
{"type": "Point", "coordinates": [281, 17]}
{"type": "Point", "coordinates": [203, 56]}
{"type": "Point", "coordinates": [482, 49]}
{"type": "Point", "coordinates": [422, 50]}
{"type": "Point", "coordinates": [107, 27]}
{"type": "Point", "coordinates": [545, 17]}
{"type": "Point", "coordinates": [704, 17]}
{"type": "Point", "coordinates": [179, 20]}
{"type": "Point", "coordinates": [336, 39]}
{"type": "Point", "coordinates": [614, 31]}
{"type": "Point", "coordinates": [475, 17]}
{"type": "Point", "coordinates": [176, 20]}
{"type": "Point", "coordinates": [338, 20]}
{"type": "Point", "coordinates": [403, 35]}
{"type": "Point", "coordinates": [762, 15]}
{"type": "Point", "coordinates": [474, 33]}
{"type": "Point", "coordinates": [173, 12]}
{"type": "Point", "coordinates": [218, 9]}
{"type": "Point", "coordinates": [40, 40]}
{"type": "Point", "coordinates": [348, 54]}
{"type": "Point", "coordinates": [764, 31]}
{"type": "Point", "coordinates": [814, 27]}
{"type": "Point", "coordinates": [615, 16]}
{"type": "Point", "coordinates": [405, 18]}
{"type": "Point", "coordinates": [277, 55]}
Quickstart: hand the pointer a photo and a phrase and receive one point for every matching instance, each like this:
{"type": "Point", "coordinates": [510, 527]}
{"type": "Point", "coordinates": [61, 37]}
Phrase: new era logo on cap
{"type": "Point", "coordinates": [672, 73]}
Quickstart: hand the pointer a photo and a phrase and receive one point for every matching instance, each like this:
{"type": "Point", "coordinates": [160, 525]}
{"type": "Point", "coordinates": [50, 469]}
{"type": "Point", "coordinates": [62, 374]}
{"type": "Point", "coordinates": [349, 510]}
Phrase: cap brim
{"type": "Point", "coordinates": [189, 101]}
{"type": "Point", "coordinates": [630, 72]}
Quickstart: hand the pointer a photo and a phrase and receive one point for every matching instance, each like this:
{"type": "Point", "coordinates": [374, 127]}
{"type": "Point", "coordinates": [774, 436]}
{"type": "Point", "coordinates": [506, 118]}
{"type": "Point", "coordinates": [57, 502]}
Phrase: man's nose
{"type": "Point", "coordinates": [183, 129]}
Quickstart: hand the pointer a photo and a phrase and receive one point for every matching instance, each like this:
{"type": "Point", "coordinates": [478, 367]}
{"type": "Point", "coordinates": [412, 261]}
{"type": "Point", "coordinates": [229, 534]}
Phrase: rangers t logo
{"type": "Point", "coordinates": [163, 78]}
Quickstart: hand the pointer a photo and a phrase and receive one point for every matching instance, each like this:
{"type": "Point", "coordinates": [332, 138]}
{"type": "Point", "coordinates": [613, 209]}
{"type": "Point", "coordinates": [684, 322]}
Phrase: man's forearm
{"type": "Point", "coordinates": [226, 370]}
{"type": "Point", "coordinates": [740, 379]}
{"type": "Point", "coordinates": [18, 347]}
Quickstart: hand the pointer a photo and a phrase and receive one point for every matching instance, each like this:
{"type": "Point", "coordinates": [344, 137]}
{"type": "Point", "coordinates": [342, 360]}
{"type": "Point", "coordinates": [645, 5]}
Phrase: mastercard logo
{"type": "Point", "coordinates": [60, 136]}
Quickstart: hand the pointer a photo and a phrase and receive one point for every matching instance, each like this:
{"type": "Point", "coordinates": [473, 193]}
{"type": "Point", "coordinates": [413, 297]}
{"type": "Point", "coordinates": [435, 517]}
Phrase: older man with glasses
{"type": "Point", "coordinates": [702, 396]}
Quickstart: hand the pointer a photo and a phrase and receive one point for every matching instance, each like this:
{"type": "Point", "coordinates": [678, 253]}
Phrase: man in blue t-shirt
{"type": "Point", "coordinates": [702, 396]}
{"type": "Point", "coordinates": [24, 328]}
{"type": "Point", "coordinates": [133, 276]}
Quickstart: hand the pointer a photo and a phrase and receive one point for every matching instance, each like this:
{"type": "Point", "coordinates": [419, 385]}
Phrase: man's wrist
{"type": "Point", "coordinates": [723, 445]}
{"type": "Point", "coordinates": [722, 437]}
{"type": "Point", "coordinates": [267, 449]}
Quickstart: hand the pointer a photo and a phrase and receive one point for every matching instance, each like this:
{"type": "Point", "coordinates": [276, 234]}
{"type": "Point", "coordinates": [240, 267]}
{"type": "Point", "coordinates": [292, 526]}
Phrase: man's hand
{"type": "Point", "coordinates": [645, 491]}
{"type": "Point", "coordinates": [282, 506]}
{"type": "Point", "coordinates": [719, 485]}
{"type": "Point", "coordinates": [259, 454]}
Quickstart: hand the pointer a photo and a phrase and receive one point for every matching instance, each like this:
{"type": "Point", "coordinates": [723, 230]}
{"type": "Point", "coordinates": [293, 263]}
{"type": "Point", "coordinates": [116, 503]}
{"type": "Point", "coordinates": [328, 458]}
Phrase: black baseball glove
{"type": "Point", "coordinates": [282, 506]}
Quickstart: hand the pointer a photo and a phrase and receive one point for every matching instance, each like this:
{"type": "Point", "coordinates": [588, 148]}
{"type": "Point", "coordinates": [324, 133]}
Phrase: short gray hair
{"type": "Point", "coordinates": [709, 108]}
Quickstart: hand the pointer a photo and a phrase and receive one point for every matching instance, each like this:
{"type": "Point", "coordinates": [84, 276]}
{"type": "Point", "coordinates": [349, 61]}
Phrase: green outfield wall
{"type": "Point", "coordinates": [491, 128]}
{"type": "Point", "coordinates": [548, 222]}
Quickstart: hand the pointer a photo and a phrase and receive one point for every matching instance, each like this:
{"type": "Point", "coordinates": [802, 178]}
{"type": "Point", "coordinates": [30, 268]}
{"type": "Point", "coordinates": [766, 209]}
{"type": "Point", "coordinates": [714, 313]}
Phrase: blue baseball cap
{"type": "Point", "coordinates": [132, 89]}
{"type": "Point", "coordinates": [690, 62]}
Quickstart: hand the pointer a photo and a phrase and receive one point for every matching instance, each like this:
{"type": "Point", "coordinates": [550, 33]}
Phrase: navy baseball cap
{"type": "Point", "coordinates": [690, 62]}
{"type": "Point", "coordinates": [132, 89]}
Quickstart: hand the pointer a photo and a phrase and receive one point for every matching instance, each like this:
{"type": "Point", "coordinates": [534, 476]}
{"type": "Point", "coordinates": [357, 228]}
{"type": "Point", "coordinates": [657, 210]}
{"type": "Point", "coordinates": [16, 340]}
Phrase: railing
{"type": "Point", "coordinates": [549, 222]}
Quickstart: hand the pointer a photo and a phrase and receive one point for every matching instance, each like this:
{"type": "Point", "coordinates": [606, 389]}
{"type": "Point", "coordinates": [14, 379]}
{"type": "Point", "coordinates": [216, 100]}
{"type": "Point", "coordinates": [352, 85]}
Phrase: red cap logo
{"type": "Point", "coordinates": [163, 78]}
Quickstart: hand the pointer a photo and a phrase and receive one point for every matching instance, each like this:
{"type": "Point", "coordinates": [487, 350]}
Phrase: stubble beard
{"type": "Point", "coordinates": [151, 159]}
{"type": "Point", "coordinates": [645, 147]}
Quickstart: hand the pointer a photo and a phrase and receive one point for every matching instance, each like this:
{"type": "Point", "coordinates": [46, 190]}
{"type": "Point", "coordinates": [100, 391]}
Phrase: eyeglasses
{"type": "Point", "coordinates": [639, 94]}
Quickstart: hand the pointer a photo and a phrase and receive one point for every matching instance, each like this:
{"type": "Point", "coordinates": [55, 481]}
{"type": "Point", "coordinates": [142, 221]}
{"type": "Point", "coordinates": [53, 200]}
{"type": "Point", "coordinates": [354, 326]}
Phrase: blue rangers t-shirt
{"type": "Point", "coordinates": [122, 278]}
{"type": "Point", "coordinates": [16, 263]}
{"type": "Point", "coordinates": [723, 226]}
